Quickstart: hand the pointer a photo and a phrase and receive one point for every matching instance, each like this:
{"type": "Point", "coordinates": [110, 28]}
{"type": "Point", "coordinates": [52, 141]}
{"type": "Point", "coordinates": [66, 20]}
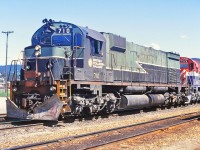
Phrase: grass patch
{"type": "Point", "coordinates": [3, 94]}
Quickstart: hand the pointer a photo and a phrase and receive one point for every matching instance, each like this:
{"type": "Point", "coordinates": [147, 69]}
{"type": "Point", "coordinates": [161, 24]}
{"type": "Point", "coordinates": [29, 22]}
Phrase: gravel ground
{"type": "Point", "coordinates": [32, 135]}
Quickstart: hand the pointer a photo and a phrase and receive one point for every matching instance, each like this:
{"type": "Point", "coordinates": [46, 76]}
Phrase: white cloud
{"type": "Point", "coordinates": [155, 46]}
{"type": "Point", "coordinates": [184, 37]}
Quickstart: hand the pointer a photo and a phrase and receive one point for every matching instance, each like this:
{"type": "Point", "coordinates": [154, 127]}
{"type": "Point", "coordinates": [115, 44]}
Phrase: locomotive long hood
{"type": "Point", "coordinates": [48, 110]}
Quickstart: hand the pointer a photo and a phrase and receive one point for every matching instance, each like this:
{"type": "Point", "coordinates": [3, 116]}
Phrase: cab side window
{"type": "Point", "coordinates": [191, 66]}
{"type": "Point", "coordinates": [95, 46]}
{"type": "Point", "coordinates": [78, 40]}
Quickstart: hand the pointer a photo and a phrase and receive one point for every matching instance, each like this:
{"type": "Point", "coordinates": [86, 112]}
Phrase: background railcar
{"type": "Point", "coordinates": [190, 74]}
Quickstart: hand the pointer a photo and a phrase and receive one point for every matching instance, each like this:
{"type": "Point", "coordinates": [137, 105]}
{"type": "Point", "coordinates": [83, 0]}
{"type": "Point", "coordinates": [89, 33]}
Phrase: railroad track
{"type": "Point", "coordinates": [2, 115]}
{"type": "Point", "coordinates": [8, 125]}
{"type": "Point", "coordinates": [100, 138]}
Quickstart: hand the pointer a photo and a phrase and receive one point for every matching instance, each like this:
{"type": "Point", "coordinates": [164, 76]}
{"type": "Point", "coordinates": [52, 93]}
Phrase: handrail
{"type": "Point", "coordinates": [13, 64]}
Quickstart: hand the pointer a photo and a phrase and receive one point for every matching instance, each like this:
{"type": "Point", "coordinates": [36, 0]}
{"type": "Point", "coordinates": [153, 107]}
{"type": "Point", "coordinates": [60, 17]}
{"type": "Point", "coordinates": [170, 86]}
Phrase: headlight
{"type": "Point", "coordinates": [37, 47]}
{"type": "Point", "coordinates": [52, 88]}
{"type": "Point", "coordinates": [14, 89]}
{"type": "Point", "coordinates": [37, 53]}
{"type": "Point", "coordinates": [37, 50]}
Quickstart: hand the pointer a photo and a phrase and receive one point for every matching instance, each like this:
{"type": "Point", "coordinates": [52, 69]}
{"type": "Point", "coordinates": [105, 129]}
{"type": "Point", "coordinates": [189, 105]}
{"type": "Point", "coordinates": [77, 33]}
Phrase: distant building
{"type": "Point", "coordinates": [2, 83]}
{"type": "Point", "coordinates": [2, 80]}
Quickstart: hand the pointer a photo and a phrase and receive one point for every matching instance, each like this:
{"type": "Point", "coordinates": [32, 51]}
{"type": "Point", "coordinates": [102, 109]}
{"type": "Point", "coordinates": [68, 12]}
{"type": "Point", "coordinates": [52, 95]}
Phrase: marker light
{"type": "Point", "coordinates": [14, 89]}
{"type": "Point", "coordinates": [52, 88]}
{"type": "Point", "coordinates": [28, 67]}
{"type": "Point", "coordinates": [49, 65]}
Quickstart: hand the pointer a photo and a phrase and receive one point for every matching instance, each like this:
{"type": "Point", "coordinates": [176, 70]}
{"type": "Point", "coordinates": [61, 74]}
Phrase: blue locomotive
{"type": "Point", "coordinates": [71, 70]}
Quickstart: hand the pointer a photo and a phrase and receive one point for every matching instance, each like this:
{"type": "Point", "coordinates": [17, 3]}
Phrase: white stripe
{"type": "Point", "coordinates": [192, 74]}
{"type": "Point", "coordinates": [183, 71]}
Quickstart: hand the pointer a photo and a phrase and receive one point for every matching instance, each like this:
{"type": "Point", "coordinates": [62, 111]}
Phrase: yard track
{"type": "Point", "coordinates": [10, 126]}
{"type": "Point", "coordinates": [2, 115]}
{"type": "Point", "coordinates": [103, 137]}
{"type": "Point", "coordinates": [16, 124]}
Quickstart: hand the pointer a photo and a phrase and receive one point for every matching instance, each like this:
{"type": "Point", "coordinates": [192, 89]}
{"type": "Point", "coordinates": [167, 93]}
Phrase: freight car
{"type": "Point", "coordinates": [74, 70]}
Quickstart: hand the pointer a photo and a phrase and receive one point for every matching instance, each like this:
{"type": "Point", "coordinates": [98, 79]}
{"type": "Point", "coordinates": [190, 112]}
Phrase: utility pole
{"type": "Point", "coordinates": [6, 81]}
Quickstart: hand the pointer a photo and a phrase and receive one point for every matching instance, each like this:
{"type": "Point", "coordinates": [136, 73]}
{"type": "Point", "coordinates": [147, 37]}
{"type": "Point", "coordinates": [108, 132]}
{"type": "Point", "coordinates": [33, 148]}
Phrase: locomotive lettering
{"type": "Point", "coordinates": [62, 30]}
{"type": "Point", "coordinates": [97, 63]}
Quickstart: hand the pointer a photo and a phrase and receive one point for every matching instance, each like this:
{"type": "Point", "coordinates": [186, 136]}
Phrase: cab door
{"type": "Point", "coordinates": [97, 60]}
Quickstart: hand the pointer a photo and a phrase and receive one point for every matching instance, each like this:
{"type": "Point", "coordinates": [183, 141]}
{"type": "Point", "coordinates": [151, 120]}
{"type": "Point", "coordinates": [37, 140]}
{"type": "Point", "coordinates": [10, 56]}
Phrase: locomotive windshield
{"type": "Point", "coordinates": [184, 66]}
{"type": "Point", "coordinates": [61, 40]}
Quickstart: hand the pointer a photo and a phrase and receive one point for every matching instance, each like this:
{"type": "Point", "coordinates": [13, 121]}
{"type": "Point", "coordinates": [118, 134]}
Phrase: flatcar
{"type": "Point", "coordinates": [69, 70]}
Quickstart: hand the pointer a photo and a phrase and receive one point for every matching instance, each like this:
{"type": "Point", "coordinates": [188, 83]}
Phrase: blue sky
{"type": "Point", "coordinates": [169, 25]}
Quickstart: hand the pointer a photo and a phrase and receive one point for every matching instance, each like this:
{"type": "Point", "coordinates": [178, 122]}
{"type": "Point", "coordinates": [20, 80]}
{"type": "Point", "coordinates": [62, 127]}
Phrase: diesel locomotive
{"type": "Point", "coordinates": [71, 70]}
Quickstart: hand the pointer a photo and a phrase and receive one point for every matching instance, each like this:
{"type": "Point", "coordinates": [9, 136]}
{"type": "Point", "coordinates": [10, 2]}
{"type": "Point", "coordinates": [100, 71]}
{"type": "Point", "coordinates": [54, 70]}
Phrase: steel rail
{"type": "Point", "coordinates": [17, 121]}
{"type": "Point", "coordinates": [2, 115]}
{"type": "Point", "coordinates": [99, 132]}
{"type": "Point", "coordinates": [141, 133]}
{"type": "Point", "coordinates": [21, 126]}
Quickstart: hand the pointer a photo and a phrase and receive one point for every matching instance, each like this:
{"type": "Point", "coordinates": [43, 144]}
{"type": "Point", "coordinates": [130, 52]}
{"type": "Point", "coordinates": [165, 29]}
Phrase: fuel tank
{"type": "Point", "coordinates": [140, 101]}
{"type": "Point", "coordinates": [134, 101]}
{"type": "Point", "coordinates": [156, 99]}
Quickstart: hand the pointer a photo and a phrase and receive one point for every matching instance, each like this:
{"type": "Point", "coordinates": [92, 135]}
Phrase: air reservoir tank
{"type": "Point", "coordinates": [159, 89]}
